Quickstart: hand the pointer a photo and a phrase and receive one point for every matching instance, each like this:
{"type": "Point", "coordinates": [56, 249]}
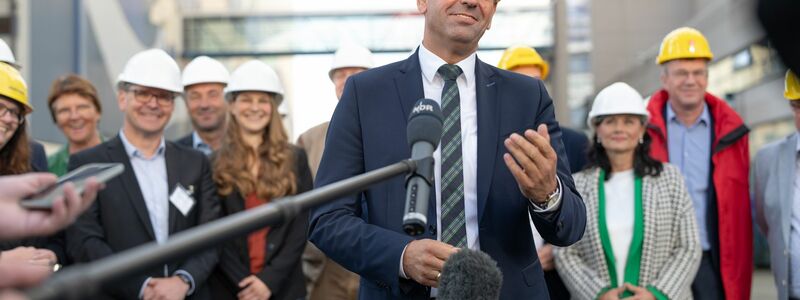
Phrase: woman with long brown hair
{"type": "Point", "coordinates": [256, 165]}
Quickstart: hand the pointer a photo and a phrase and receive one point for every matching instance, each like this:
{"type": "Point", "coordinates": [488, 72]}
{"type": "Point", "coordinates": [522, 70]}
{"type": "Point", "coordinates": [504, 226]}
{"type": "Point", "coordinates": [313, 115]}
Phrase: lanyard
{"type": "Point", "coordinates": [635, 251]}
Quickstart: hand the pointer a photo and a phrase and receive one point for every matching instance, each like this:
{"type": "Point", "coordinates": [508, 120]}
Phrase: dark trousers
{"type": "Point", "coordinates": [707, 284]}
{"type": "Point", "coordinates": [555, 286]}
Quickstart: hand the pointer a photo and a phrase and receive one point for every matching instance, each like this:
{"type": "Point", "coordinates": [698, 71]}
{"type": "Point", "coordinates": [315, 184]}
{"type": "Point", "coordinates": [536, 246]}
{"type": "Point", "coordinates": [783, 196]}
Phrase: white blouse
{"type": "Point", "coordinates": [619, 192]}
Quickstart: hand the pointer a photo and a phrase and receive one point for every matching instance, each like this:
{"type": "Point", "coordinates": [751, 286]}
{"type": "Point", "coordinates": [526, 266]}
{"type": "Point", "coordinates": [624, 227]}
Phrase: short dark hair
{"type": "Point", "coordinates": [72, 84]}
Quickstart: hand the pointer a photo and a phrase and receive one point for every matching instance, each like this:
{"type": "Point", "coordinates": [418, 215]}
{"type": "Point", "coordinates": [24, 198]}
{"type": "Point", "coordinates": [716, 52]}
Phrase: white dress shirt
{"type": "Point", "coordinates": [619, 194]}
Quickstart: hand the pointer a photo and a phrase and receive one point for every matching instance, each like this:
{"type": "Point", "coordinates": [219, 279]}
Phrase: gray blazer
{"type": "Point", "coordinates": [671, 250]}
{"type": "Point", "coordinates": [772, 177]}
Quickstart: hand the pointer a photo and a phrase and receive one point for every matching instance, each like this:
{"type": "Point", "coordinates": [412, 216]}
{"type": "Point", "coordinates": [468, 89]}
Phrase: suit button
{"type": "Point", "coordinates": [270, 246]}
{"type": "Point", "coordinates": [783, 282]}
{"type": "Point", "coordinates": [432, 229]}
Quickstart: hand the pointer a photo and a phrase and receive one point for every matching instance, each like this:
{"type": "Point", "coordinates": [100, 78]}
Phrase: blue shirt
{"type": "Point", "coordinates": [151, 174]}
{"type": "Point", "coordinates": [199, 145]}
{"type": "Point", "coordinates": [690, 150]}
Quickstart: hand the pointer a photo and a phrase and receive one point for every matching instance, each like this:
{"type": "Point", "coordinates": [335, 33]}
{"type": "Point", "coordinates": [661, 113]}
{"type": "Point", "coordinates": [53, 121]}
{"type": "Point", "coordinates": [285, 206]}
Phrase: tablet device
{"type": "Point", "coordinates": [102, 172]}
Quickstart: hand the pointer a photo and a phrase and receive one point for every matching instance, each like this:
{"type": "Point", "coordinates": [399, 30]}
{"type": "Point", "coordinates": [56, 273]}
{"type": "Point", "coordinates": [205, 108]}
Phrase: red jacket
{"type": "Point", "coordinates": [731, 167]}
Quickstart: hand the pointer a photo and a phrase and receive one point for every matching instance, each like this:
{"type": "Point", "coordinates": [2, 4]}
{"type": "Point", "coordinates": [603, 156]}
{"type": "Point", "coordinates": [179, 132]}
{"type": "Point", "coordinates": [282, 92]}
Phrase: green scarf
{"type": "Point", "coordinates": [635, 251]}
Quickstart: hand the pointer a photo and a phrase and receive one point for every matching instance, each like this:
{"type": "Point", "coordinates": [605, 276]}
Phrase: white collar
{"type": "Point", "coordinates": [430, 64]}
{"type": "Point", "coordinates": [798, 141]}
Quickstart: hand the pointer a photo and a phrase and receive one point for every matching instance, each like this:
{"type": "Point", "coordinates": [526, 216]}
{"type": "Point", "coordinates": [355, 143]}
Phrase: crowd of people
{"type": "Point", "coordinates": [656, 203]}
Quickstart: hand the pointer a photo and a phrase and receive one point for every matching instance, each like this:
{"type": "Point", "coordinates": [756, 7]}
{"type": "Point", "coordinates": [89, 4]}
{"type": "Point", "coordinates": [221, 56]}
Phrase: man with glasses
{"type": "Point", "coordinates": [165, 188]}
{"type": "Point", "coordinates": [707, 140]}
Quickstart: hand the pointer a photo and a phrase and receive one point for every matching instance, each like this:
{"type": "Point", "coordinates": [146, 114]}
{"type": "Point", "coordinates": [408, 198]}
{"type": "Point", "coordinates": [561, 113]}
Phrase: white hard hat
{"type": "Point", "coordinates": [255, 75]}
{"type": "Point", "coordinates": [153, 68]}
{"type": "Point", "coordinates": [204, 69]}
{"type": "Point", "coordinates": [351, 56]}
{"type": "Point", "coordinates": [616, 99]}
{"type": "Point", "coordinates": [6, 55]}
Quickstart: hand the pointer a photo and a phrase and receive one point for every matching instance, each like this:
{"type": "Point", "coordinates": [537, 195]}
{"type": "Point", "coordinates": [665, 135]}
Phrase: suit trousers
{"type": "Point", "coordinates": [707, 284]}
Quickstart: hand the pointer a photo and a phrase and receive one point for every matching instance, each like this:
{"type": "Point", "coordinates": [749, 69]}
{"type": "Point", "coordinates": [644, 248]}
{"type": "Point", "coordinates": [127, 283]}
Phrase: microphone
{"type": "Point", "coordinates": [424, 131]}
{"type": "Point", "coordinates": [470, 274]}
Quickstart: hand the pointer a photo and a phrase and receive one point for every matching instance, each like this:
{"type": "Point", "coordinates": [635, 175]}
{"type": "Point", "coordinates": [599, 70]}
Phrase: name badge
{"type": "Point", "coordinates": [182, 199]}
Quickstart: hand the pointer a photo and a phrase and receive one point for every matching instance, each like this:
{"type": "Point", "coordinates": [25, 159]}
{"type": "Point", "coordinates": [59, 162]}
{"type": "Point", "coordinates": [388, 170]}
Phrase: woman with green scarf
{"type": "Point", "coordinates": [641, 238]}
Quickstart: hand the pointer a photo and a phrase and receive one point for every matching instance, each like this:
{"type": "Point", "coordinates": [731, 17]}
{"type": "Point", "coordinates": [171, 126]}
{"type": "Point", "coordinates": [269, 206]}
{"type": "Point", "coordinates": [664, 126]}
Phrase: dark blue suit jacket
{"type": "Point", "coordinates": [364, 233]}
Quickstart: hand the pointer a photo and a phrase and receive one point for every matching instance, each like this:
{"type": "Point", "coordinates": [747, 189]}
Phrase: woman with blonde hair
{"type": "Point", "coordinates": [254, 166]}
{"type": "Point", "coordinates": [641, 236]}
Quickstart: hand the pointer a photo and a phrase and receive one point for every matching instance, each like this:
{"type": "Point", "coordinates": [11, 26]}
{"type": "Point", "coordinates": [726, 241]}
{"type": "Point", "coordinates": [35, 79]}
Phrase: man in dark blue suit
{"type": "Point", "coordinates": [500, 160]}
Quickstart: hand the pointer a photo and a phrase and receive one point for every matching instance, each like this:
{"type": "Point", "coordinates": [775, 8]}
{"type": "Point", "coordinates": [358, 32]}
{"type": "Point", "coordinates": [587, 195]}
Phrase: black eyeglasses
{"type": "Point", "coordinates": [144, 96]}
{"type": "Point", "coordinates": [4, 111]}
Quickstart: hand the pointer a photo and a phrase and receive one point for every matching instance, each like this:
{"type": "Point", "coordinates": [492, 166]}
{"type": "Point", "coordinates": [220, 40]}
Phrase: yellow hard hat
{"type": "Point", "coordinates": [684, 42]}
{"type": "Point", "coordinates": [792, 90]}
{"type": "Point", "coordinates": [523, 56]}
{"type": "Point", "coordinates": [12, 86]}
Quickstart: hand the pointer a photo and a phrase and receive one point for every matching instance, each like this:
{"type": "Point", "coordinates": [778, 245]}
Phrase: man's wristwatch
{"type": "Point", "coordinates": [550, 199]}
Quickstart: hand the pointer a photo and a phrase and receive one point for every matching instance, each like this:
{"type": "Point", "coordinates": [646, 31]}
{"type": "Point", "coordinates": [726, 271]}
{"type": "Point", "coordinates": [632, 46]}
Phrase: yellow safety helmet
{"type": "Point", "coordinates": [684, 42]}
{"type": "Point", "coordinates": [523, 56]}
{"type": "Point", "coordinates": [12, 86]}
{"type": "Point", "coordinates": [792, 90]}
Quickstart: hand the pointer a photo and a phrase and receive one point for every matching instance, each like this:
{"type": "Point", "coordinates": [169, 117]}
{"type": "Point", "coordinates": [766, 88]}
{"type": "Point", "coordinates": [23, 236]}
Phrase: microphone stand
{"type": "Point", "coordinates": [83, 280]}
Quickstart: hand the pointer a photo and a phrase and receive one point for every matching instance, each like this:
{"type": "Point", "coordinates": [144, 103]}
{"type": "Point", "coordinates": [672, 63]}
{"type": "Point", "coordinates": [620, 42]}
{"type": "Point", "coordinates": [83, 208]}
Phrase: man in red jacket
{"type": "Point", "coordinates": [707, 140]}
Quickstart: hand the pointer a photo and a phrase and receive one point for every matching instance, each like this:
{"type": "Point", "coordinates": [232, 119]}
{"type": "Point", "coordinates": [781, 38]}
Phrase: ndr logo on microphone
{"type": "Point", "coordinates": [422, 107]}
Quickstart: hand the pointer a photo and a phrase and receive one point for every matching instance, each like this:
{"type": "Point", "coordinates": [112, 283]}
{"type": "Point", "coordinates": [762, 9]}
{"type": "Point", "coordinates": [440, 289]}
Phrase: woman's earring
{"type": "Point", "coordinates": [641, 140]}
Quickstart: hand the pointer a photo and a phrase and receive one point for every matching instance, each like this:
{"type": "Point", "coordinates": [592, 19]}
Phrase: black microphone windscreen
{"type": "Point", "coordinates": [470, 274]}
{"type": "Point", "coordinates": [425, 123]}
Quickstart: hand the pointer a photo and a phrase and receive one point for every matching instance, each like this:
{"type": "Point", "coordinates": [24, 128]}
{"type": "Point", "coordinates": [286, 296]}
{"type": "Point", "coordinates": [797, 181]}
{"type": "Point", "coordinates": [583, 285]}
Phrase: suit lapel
{"type": "Point", "coordinates": [488, 127]}
{"type": "Point", "coordinates": [173, 164]}
{"type": "Point", "coordinates": [235, 204]}
{"type": "Point", "coordinates": [132, 191]}
{"type": "Point", "coordinates": [408, 83]}
{"type": "Point", "coordinates": [786, 176]}
{"type": "Point", "coordinates": [593, 208]}
{"type": "Point", "coordinates": [649, 207]}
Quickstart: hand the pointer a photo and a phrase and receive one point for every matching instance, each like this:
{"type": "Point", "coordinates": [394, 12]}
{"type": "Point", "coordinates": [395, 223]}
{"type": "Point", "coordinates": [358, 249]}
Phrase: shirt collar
{"type": "Point", "coordinates": [430, 64]}
{"type": "Point", "coordinates": [798, 141]}
{"type": "Point", "coordinates": [705, 117]}
{"type": "Point", "coordinates": [132, 151]}
{"type": "Point", "coordinates": [197, 141]}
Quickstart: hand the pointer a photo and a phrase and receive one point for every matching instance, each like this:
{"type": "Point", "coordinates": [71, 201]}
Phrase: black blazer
{"type": "Point", "coordinates": [282, 271]}
{"type": "Point", "coordinates": [118, 220]}
{"type": "Point", "coordinates": [576, 144]}
{"type": "Point", "coordinates": [187, 141]}
{"type": "Point", "coordinates": [38, 157]}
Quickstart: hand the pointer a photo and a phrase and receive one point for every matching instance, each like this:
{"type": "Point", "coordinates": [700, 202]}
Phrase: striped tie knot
{"type": "Point", "coordinates": [449, 72]}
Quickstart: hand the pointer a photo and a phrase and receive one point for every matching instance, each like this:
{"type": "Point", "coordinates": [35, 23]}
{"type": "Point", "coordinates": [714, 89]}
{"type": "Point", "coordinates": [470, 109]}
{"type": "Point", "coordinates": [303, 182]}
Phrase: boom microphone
{"type": "Point", "coordinates": [470, 274]}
